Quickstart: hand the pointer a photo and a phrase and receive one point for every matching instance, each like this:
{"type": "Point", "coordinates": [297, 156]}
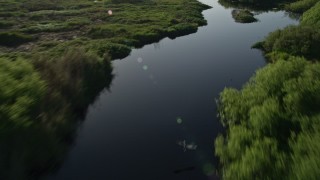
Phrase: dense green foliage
{"type": "Point", "coordinates": [21, 93]}
{"type": "Point", "coordinates": [243, 16]}
{"type": "Point", "coordinates": [312, 16]}
{"type": "Point", "coordinates": [273, 121]}
{"type": "Point", "coordinates": [77, 77]}
{"type": "Point", "coordinates": [40, 105]}
{"type": "Point", "coordinates": [301, 6]}
{"type": "Point", "coordinates": [300, 40]}
{"type": "Point", "coordinates": [294, 40]}
{"type": "Point", "coordinates": [273, 124]}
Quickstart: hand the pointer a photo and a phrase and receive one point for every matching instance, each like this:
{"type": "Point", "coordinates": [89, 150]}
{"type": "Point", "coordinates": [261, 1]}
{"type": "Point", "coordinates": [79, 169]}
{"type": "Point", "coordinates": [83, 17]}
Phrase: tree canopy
{"type": "Point", "coordinates": [273, 124]}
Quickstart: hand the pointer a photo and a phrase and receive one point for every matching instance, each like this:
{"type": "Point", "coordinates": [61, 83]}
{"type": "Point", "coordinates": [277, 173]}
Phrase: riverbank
{"type": "Point", "coordinates": [137, 128]}
{"type": "Point", "coordinates": [55, 59]}
{"type": "Point", "coordinates": [272, 129]}
{"type": "Point", "coordinates": [97, 26]}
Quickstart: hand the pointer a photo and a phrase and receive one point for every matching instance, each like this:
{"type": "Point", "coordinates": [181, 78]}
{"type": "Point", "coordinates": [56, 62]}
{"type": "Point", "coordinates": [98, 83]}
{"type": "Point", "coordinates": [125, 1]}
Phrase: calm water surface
{"type": "Point", "coordinates": [164, 95]}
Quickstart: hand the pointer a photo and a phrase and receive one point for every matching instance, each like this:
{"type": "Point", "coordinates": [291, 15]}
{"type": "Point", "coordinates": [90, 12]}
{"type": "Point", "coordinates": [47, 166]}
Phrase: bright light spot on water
{"type": "Point", "coordinates": [139, 60]}
{"type": "Point", "coordinates": [145, 67]}
{"type": "Point", "coordinates": [179, 120]}
{"type": "Point", "coordinates": [191, 146]}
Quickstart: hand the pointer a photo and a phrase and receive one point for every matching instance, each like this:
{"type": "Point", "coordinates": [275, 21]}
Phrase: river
{"type": "Point", "coordinates": [159, 118]}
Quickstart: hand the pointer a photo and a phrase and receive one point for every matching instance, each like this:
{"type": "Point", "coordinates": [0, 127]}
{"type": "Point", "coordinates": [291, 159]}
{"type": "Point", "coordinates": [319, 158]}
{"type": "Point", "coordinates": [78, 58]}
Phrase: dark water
{"type": "Point", "coordinates": [163, 96]}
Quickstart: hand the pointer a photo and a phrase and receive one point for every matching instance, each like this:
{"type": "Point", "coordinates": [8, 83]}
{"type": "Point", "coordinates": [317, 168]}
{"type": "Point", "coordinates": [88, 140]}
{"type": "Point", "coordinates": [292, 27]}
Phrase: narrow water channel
{"type": "Point", "coordinates": [159, 119]}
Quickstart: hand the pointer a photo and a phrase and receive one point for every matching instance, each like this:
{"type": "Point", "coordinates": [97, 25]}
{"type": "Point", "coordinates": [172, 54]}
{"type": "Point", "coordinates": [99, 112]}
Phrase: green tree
{"type": "Point", "coordinates": [312, 16]}
{"type": "Point", "coordinates": [272, 124]}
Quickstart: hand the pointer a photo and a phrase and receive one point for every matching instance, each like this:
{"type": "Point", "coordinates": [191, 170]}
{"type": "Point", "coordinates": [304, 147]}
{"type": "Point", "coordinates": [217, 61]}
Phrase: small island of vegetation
{"type": "Point", "coordinates": [243, 16]}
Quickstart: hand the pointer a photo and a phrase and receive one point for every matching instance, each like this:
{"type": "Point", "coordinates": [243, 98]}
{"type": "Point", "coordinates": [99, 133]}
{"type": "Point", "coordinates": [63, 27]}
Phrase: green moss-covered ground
{"type": "Point", "coordinates": [49, 26]}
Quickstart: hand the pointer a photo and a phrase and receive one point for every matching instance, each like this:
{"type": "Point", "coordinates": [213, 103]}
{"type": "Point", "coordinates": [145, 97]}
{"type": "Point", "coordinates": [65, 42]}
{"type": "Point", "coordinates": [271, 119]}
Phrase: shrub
{"type": "Point", "coordinates": [272, 124]}
{"type": "Point", "coordinates": [294, 40]}
{"type": "Point", "coordinates": [116, 51]}
{"type": "Point", "coordinates": [312, 16]}
{"type": "Point", "coordinates": [301, 6]}
{"type": "Point", "coordinates": [77, 76]}
{"type": "Point", "coordinates": [21, 93]}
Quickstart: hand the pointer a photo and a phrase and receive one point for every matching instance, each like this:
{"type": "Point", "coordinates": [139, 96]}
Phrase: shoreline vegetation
{"type": "Point", "coordinates": [55, 59]}
{"type": "Point", "coordinates": [273, 122]}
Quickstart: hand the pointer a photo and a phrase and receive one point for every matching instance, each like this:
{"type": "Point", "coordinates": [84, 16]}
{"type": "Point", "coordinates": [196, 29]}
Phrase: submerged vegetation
{"type": "Point", "coordinates": [55, 59]}
{"type": "Point", "coordinates": [273, 121]}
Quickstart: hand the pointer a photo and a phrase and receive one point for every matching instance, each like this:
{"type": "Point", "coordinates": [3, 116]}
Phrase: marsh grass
{"type": "Point", "coordinates": [133, 23]}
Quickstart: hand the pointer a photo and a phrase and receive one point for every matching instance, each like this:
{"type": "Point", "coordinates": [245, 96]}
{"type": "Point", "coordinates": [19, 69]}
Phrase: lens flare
{"type": "Point", "coordinates": [145, 67]}
{"type": "Point", "coordinates": [139, 60]}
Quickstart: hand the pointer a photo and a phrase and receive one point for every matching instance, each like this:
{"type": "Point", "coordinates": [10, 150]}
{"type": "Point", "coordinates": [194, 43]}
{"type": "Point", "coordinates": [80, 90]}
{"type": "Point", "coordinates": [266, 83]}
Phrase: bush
{"type": "Point", "coordinates": [301, 6]}
{"type": "Point", "coordinates": [13, 38]}
{"type": "Point", "coordinates": [116, 51]}
{"type": "Point", "coordinates": [21, 93]}
{"type": "Point", "coordinates": [312, 16]}
{"type": "Point", "coordinates": [77, 76]}
{"type": "Point", "coordinates": [268, 122]}
{"type": "Point", "coordinates": [38, 119]}
{"type": "Point", "coordinates": [294, 40]}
